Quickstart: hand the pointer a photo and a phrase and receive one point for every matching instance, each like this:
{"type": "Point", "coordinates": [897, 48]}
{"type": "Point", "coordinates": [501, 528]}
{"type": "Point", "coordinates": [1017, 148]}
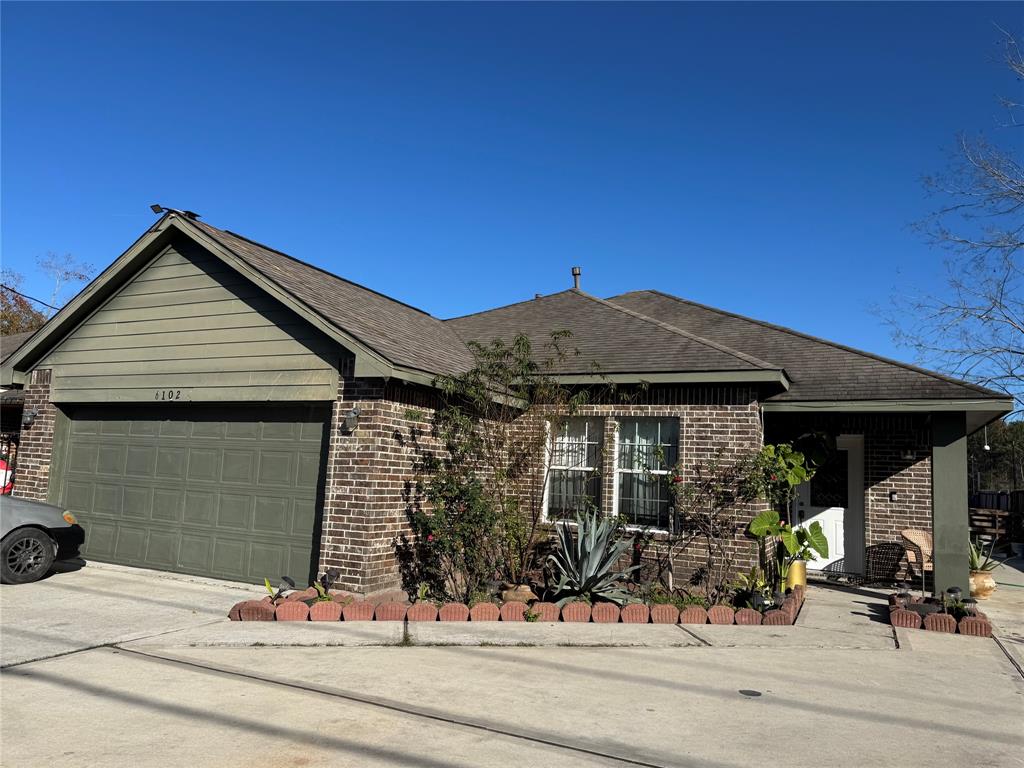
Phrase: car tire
{"type": "Point", "coordinates": [26, 555]}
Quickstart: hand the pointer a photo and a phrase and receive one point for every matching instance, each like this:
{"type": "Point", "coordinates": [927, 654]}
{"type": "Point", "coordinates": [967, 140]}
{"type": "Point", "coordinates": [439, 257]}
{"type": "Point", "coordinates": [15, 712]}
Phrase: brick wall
{"type": "Point", "coordinates": [367, 477]}
{"type": "Point", "coordinates": [35, 448]}
{"type": "Point", "coordinates": [370, 470]}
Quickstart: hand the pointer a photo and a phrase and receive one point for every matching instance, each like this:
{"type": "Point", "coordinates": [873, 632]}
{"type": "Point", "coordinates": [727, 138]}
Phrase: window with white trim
{"type": "Point", "coordinates": [574, 478]}
{"type": "Point", "coordinates": [646, 449]}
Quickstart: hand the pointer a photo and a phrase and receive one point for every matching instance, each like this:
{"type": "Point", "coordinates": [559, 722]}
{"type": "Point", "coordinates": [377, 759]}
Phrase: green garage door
{"type": "Point", "coordinates": [228, 492]}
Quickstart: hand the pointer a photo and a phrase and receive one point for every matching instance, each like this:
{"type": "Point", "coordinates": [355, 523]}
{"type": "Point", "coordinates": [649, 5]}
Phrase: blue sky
{"type": "Point", "coordinates": [761, 158]}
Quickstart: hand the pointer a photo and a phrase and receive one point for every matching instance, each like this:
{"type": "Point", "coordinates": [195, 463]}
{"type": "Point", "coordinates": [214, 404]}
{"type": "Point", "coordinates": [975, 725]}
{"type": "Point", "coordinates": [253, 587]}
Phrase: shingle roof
{"type": "Point", "coordinates": [10, 344]}
{"type": "Point", "coordinates": [614, 338]}
{"type": "Point", "coordinates": [403, 334]}
{"type": "Point", "coordinates": [817, 369]}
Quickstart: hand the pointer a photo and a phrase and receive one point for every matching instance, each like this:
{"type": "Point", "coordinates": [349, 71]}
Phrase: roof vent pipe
{"type": "Point", "coordinates": [576, 277]}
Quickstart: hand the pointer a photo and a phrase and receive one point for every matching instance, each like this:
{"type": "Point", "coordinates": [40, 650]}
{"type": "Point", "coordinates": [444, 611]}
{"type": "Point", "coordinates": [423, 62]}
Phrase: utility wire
{"type": "Point", "coordinates": [37, 301]}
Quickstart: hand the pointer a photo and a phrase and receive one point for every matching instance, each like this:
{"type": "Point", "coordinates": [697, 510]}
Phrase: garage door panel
{"type": "Point", "coordinates": [270, 515]}
{"type": "Point", "coordinates": [228, 491]}
{"type": "Point", "coordinates": [144, 428]}
{"type": "Point", "coordinates": [174, 428]}
{"type": "Point", "coordinates": [229, 557]}
{"type": "Point", "coordinates": [308, 469]}
{"type": "Point", "coordinates": [200, 508]}
{"type": "Point", "coordinates": [140, 461]}
{"type": "Point", "coordinates": [208, 430]}
{"type": "Point", "coordinates": [196, 553]}
{"type": "Point", "coordinates": [107, 500]}
{"type": "Point", "coordinates": [303, 515]}
{"type": "Point", "coordinates": [167, 505]}
{"type": "Point", "coordinates": [239, 467]}
{"type": "Point", "coordinates": [170, 463]}
{"type": "Point", "coordinates": [101, 539]}
{"type": "Point", "coordinates": [110, 428]}
{"type": "Point", "coordinates": [276, 469]}
{"type": "Point", "coordinates": [204, 464]}
{"type": "Point", "coordinates": [137, 502]}
{"type": "Point", "coordinates": [131, 543]}
{"type": "Point", "coordinates": [234, 514]}
{"type": "Point", "coordinates": [163, 548]}
{"type": "Point", "coordinates": [110, 459]}
{"type": "Point", "coordinates": [242, 430]}
{"type": "Point", "coordinates": [268, 559]}
{"type": "Point", "coordinates": [82, 458]}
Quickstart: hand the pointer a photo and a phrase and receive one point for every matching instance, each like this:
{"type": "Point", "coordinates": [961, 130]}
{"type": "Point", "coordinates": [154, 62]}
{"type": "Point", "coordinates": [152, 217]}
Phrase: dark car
{"type": "Point", "coordinates": [34, 534]}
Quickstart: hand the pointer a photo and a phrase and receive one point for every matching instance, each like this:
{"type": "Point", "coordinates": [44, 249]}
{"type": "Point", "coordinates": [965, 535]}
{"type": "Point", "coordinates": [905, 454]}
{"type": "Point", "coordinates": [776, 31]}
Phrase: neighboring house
{"type": "Point", "coordinates": [213, 406]}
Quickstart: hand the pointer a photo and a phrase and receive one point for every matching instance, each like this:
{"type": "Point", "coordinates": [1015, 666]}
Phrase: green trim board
{"type": "Point", "coordinates": [885, 406]}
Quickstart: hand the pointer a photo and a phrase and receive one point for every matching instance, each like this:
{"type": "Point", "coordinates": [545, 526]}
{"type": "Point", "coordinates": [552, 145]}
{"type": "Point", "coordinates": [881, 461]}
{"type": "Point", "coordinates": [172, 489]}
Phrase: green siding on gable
{"type": "Point", "coordinates": [188, 328]}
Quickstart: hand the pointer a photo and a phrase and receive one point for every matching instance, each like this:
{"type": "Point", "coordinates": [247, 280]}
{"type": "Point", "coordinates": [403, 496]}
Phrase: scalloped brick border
{"type": "Point", "coordinates": [976, 625]}
{"type": "Point", "coordinates": [292, 608]}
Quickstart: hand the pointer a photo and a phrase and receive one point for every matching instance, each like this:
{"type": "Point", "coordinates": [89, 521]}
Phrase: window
{"type": "Point", "coordinates": [574, 482]}
{"type": "Point", "coordinates": [646, 450]}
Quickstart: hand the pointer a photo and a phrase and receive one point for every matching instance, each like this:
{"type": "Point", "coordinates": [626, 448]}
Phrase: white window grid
{"type": "Point", "coordinates": [669, 451]}
{"type": "Point", "coordinates": [568, 453]}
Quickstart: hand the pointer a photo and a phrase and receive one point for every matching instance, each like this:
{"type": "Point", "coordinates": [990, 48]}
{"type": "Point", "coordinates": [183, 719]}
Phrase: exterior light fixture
{"type": "Point", "coordinates": [28, 417]}
{"type": "Point", "coordinates": [907, 455]}
{"type": "Point", "coordinates": [894, 496]}
{"type": "Point", "coordinates": [954, 593]}
{"type": "Point", "coordinates": [352, 419]}
{"type": "Point", "coordinates": [987, 447]}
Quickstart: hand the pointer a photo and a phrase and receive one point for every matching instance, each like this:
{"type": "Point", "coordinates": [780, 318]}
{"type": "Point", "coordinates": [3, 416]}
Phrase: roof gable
{"type": "Point", "coordinates": [819, 370]}
{"type": "Point", "coordinates": [389, 339]}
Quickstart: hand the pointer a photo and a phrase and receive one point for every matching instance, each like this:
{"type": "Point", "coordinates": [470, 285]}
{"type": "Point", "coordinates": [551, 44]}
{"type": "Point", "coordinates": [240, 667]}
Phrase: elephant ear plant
{"type": "Point", "coordinates": [585, 563]}
{"type": "Point", "coordinates": [797, 543]}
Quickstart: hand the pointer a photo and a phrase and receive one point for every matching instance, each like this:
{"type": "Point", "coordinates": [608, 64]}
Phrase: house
{"type": "Point", "coordinates": [213, 406]}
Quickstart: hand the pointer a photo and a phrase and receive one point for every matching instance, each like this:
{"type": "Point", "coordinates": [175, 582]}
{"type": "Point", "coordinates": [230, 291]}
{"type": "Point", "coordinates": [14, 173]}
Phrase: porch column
{"type": "Point", "coordinates": [949, 500]}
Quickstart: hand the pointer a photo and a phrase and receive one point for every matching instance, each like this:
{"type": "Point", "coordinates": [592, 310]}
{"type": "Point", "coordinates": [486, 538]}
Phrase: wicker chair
{"type": "Point", "coordinates": [919, 548]}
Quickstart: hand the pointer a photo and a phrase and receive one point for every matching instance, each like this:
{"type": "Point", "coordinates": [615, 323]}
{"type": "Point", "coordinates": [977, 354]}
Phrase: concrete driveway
{"type": "Point", "coordinates": [123, 677]}
{"type": "Point", "coordinates": [75, 608]}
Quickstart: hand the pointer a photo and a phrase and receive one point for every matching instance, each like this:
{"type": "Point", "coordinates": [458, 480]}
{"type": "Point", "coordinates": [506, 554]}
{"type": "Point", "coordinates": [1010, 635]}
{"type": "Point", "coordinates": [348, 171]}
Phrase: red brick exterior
{"type": "Point", "coordinates": [369, 471]}
{"type": "Point", "coordinates": [35, 450]}
{"type": "Point", "coordinates": [367, 476]}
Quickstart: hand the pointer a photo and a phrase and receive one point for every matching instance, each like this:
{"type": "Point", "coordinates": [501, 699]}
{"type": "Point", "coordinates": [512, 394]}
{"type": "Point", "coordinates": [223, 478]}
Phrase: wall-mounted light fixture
{"type": "Point", "coordinates": [893, 496]}
{"type": "Point", "coordinates": [28, 417]}
{"type": "Point", "coordinates": [907, 455]}
{"type": "Point", "coordinates": [352, 419]}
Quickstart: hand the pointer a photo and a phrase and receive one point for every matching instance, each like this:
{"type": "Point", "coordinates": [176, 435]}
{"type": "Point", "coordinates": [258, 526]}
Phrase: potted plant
{"type": "Point", "coordinates": [802, 545]}
{"type": "Point", "coordinates": [793, 546]}
{"type": "Point", "coordinates": [981, 565]}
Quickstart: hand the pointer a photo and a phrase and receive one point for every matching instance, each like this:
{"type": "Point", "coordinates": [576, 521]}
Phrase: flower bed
{"type": "Point", "coordinates": [298, 606]}
{"type": "Point", "coordinates": [936, 615]}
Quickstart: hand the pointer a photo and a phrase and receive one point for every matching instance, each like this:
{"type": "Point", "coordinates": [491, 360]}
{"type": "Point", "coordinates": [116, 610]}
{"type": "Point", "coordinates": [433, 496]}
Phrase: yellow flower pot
{"type": "Point", "coordinates": [797, 575]}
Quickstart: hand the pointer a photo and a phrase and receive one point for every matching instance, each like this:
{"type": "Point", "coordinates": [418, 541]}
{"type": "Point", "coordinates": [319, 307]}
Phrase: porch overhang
{"type": "Point", "coordinates": [978, 411]}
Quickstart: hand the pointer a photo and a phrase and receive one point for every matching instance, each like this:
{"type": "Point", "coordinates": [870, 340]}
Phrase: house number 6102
{"type": "Point", "coordinates": [167, 394]}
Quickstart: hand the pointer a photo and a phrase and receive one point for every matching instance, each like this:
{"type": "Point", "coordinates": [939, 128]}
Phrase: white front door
{"type": "Point", "coordinates": [834, 497]}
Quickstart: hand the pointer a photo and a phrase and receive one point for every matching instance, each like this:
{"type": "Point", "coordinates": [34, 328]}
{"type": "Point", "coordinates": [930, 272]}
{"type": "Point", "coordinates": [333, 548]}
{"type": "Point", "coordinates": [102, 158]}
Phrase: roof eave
{"type": "Point", "coordinates": [905, 405]}
{"type": "Point", "coordinates": [777, 377]}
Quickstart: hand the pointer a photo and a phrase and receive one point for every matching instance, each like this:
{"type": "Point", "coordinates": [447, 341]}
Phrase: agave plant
{"type": "Point", "coordinates": [980, 560]}
{"type": "Point", "coordinates": [584, 563]}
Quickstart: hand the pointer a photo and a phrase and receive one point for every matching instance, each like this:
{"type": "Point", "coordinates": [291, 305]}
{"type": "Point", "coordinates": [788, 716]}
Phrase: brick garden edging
{"type": "Point", "coordinates": [902, 615]}
{"type": "Point", "coordinates": [294, 607]}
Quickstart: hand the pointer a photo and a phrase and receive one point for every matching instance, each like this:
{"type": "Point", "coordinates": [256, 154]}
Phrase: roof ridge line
{"type": "Point", "coordinates": [504, 306]}
{"type": "Point", "coordinates": [818, 339]}
{"type": "Point", "coordinates": [313, 266]}
{"type": "Point", "coordinates": [764, 364]}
